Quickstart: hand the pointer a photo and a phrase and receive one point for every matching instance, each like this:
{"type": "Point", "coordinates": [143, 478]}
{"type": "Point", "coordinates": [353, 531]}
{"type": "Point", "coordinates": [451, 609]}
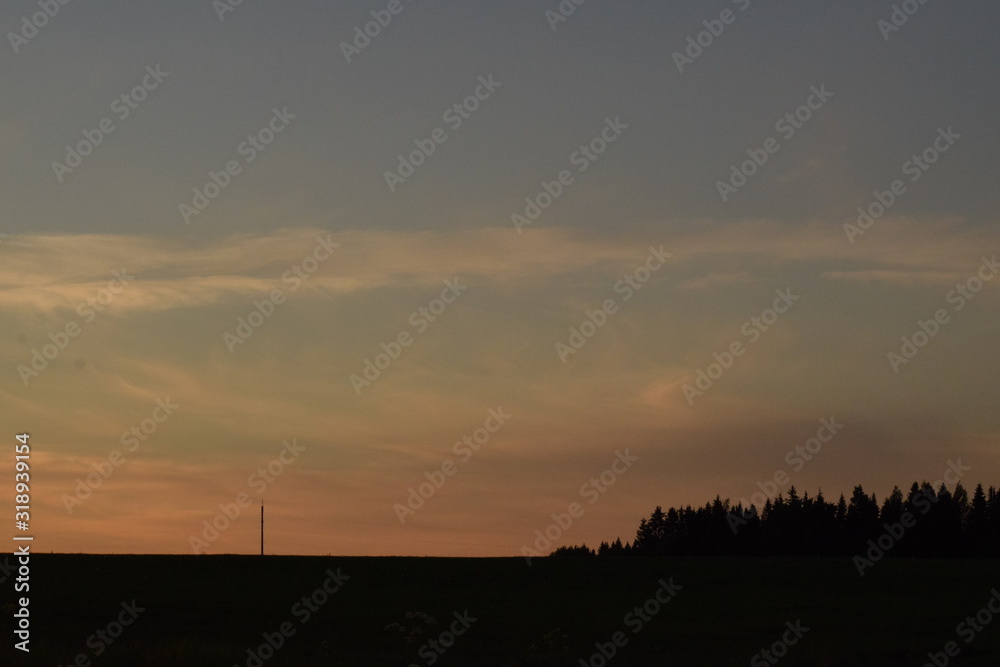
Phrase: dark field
{"type": "Point", "coordinates": [209, 610]}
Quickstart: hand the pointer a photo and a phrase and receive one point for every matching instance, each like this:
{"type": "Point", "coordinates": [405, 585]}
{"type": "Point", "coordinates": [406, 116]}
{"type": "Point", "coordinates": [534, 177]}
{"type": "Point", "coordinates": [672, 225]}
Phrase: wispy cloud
{"type": "Point", "coordinates": [48, 272]}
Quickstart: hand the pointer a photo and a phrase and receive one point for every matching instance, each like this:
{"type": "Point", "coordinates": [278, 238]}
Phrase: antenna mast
{"type": "Point", "coordinates": [261, 527]}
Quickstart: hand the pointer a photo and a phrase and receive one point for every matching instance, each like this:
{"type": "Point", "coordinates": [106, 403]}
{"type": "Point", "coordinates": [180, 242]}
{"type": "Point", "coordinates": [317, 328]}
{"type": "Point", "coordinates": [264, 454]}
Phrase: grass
{"type": "Point", "coordinates": [209, 610]}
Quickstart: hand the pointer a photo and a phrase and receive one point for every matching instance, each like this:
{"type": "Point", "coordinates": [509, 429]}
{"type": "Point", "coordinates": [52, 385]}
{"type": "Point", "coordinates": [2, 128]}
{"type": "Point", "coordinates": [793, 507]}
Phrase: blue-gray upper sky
{"type": "Point", "coordinates": [607, 59]}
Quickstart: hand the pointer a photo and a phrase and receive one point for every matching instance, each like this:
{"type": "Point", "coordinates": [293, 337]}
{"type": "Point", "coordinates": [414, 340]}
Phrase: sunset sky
{"type": "Point", "coordinates": [249, 159]}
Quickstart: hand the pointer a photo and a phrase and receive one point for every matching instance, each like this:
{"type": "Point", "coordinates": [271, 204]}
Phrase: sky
{"type": "Point", "coordinates": [488, 269]}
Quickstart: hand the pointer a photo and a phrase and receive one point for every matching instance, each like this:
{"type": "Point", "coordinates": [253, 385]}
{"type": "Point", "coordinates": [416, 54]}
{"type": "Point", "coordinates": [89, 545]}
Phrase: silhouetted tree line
{"type": "Point", "coordinates": [922, 522]}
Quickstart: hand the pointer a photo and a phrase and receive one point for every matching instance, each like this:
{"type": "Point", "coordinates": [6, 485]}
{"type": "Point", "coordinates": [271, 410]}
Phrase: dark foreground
{"type": "Point", "coordinates": [220, 610]}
